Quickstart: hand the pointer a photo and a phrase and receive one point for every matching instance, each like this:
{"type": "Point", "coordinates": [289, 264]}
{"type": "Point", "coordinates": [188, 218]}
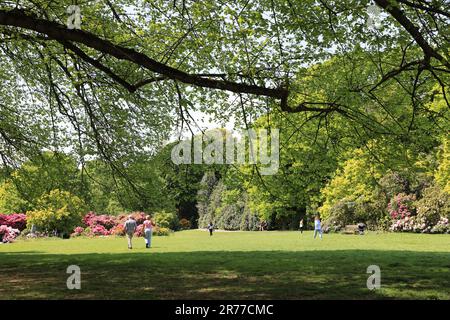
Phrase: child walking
{"type": "Point", "coordinates": [148, 228]}
{"type": "Point", "coordinates": [317, 227]}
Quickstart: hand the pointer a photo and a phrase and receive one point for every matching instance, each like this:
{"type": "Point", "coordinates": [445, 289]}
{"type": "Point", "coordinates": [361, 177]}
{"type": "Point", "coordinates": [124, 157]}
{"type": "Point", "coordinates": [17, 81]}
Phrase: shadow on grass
{"type": "Point", "coordinates": [227, 275]}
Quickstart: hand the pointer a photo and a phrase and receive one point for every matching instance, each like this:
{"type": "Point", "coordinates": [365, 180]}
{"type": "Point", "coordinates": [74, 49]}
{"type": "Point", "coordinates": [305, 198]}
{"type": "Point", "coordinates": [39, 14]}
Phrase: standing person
{"type": "Point", "coordinates": [148, 226]}
{"type": "Point", "coordinates": [130, 228]}
{"type": "Point", "coordinates": [300, 226]}
{"type": "Point", "coordinates": [210, 228]}
{"type": "Point", "coordinates": [361, 227]}
{"type": "Point", "coordinates": [317, 227]}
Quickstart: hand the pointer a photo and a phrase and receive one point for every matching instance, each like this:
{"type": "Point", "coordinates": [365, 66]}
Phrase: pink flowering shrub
{"type": "Point", "coordinates": [402, 206]}
{"type": "Point", "coordinates": [411, 224]}
{"type": "Point", "coordinates": [139, 231]}
{"type": "Point", "coordinates": [103, 225]}
{"type": "Point", "coordinates": [99, 230]}
{"type": "Point", "coordinates": [78, 231]}
{"type": "Point", "coordinates": [91, 220]}
{"type": "Point", "coordinates": [15, 220]}
{"type": "Point", "coordinates": [88, 218]}
{"type": "Point", "coordinates": [8, 234]}
{"type": "Point", "coordinates": [430, 214]}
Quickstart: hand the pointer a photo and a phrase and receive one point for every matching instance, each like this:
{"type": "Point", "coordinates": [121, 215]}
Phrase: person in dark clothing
{"type": "Point", "coordinates": [361, 228]}
{"type": "Point", "coordinates": [210, 228]}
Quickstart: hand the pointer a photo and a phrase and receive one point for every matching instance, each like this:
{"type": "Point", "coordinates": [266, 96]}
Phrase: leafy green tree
{"type": "Point", "coordinates": [45, 172]}
{"type": "Point", "coordinates": [10, 200]}
{"type": "Point", "coordinates": [442, 174]}
{"type": "Point", "coordinates": [57, 211]}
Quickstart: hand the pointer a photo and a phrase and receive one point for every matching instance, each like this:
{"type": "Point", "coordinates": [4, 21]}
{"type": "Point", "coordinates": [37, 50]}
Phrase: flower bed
{"type": "Point", "coordinates": [8, 234]}
{"type": "Point", "coordinates": [91, 220]}
{"type": "Point", "coordinates": [104, 225]}
{"type": "Point", "coordinates": [14, 220]}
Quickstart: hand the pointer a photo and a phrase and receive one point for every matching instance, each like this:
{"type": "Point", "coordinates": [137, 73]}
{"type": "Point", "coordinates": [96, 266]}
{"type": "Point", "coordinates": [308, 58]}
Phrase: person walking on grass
{"type": "Point", "coordinates": [317, 227]}
{"type": "Point", "coordinates": [148, 228]}
{"type": "Point", "coordinates": [130, 228]}
{"type": "Point", "coordinates": [210, 228]}
{"type": "Point", "coordinates": [300, 226]}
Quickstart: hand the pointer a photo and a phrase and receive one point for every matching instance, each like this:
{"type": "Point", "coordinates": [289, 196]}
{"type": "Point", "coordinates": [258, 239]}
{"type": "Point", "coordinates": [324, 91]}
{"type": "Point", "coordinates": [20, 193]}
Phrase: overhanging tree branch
{"type": "Point", "coordinates": [56, 31]}
{"type": "Point", "coordinates": [428, 7]}
{"type": "Point", "coordinates": [395, 11]}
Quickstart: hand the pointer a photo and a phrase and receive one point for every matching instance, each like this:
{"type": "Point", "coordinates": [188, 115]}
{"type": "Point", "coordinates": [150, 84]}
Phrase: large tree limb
{"type": "Point", "coordinates": [428, 7]}
{"type": "Point", "coordinates": [59, 32]}
{"type": "Point", "coordinates": [392, 7]}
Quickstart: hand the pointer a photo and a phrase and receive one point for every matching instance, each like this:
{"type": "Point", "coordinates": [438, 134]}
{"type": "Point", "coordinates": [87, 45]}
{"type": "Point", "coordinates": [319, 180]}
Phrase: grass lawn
{"type": "Point", "coordinates": [230, 265]}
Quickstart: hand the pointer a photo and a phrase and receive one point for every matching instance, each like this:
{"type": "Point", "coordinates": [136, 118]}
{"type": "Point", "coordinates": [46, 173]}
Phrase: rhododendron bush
{"type": "Point", "coordinates": [78, 231]}
{"type": "Point", "coordinates": [8, 234]}
{"type": "Point", "coordinates": [411, 224]}
{"type": "Point", "coordinates": [427, 215]}
{"type": "Point", "coordinates": [402, 206]}
{"type": "Point", "coordinates": [99, 230]}
{"type": "Point", "coordinates": [118, 230]}
{"type": "Point", "coordinates": [91, 220]}
{"type": "Point", "coordinates": [105, 225]}
{"type": "Point", "coordinates": [139, 231]}
{"type": "Point", "coordinates": [442, 226]}
{"type": "Point", "coordinates": [15, 220]}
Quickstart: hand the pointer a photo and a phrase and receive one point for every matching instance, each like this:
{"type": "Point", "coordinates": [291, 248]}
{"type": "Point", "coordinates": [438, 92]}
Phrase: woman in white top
{"type": "Point", "coordinates": [148, 227]}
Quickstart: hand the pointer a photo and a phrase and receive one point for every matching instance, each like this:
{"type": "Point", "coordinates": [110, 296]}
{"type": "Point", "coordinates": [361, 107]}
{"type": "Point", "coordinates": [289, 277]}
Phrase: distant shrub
{"type": "Point", "coordinates": [384, 224]}
{"type": "Point", "coordinates": [8, 234]}
{"type": "Point", "coordinates": [402, 206]}
{"type": "Point", "coordinates": [139, 217]}
{"type": "Point", "coordinates": [57, 211]}
{"type": "Point", "coordinates": [185, 224]}
{"type": "Point", "coordinates": [161, 231]}
{"type": "Point", "coordinates": [393, 183]}
{"type": "Point", "coordinates": [167, 220]}
{"type": "Point", "coordinates": [340, 214]}
{"type": "Point", "coordinates": [87, 232]}
{"type": "Point", "coordinates": [434, 204]}
{"type": "Point", "coordinates": [99, 230]}
{"type": "Point", "coordinates": [370, 211]}
{"type": "Point", "coordinates": [78, 231]}
{"type": "Point", "coordinates": [118, 230]}
{"type": "Point", "coordinates": [139, 231]}
{"type": "Point", "coordinates": [411, 224]}
{"type": "Point", "coordinates": [15, 220]}
{"type": "Point", "coordinates": [91, 219]}
{"type": "Point", "coordinates": [442, 226]}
